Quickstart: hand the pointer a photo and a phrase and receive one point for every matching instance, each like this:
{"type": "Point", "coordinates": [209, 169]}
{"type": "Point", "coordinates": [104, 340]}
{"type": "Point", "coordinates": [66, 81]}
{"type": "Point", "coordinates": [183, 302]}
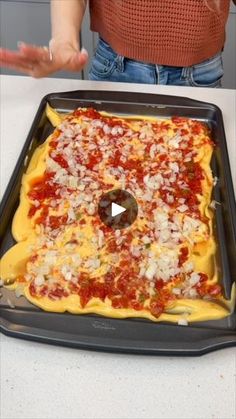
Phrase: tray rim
{"type": "Point", "coordinates": [228, 338]}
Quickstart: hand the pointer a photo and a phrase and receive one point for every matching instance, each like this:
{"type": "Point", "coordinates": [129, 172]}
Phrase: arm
{"type": "Point", "coordinates": [66, 20]}
{"type": "Point", "coordinates": [65, 54]}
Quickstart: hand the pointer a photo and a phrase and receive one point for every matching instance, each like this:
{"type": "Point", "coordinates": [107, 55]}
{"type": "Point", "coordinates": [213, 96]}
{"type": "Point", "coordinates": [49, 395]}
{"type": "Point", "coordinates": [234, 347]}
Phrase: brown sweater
{"type": "Point", "coordinates": [167, 32]}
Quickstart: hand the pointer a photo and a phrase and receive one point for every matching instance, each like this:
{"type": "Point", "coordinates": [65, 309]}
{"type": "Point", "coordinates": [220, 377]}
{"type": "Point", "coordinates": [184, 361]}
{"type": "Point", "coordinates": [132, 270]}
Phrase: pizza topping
{"type": "Point", "coordinates": [147, 266]}
{"type": "Point", "coordinates": [182, 321]}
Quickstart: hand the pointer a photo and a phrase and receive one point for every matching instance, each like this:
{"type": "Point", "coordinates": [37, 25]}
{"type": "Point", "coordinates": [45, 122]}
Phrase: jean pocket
{"type": "Point", "coordinates": [208, 73]}
{"type": "Point", "coordinates": [103, 62]}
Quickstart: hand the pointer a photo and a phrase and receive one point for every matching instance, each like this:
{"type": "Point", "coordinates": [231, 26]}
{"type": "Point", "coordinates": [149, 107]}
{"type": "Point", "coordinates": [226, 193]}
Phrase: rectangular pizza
{"type": "Point", "coordinates": [163, 266]}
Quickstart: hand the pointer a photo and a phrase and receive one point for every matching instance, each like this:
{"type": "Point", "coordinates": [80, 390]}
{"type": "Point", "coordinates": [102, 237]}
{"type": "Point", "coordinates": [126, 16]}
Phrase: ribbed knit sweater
{"type": "Point", "coordinates": [167, 32]}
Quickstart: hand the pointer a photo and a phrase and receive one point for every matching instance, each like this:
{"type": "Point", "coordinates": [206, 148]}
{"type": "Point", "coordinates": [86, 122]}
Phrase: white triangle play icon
{"type": "Point", "coordinates": [116, 209]}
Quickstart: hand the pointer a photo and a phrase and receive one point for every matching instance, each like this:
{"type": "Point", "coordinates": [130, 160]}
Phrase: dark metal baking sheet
{"type": "Point", "coordinates": [129, 335]}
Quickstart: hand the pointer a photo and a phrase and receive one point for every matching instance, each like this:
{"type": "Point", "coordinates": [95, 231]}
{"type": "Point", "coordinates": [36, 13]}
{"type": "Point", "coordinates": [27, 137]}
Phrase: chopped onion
{"type": "Point", "coordinates": [194, 278]}
{"type": "Point", "coordinates": [176, 291]}
{"type": "Point", "coordinates": [174, 167]}
{"type": "Point", "coordinates": [150, 272]}
{"type": "Point", "coordinates": [188, 267]}
{"type": "Point", "coordinates": [39, 280]}
{"type": "Point", "coordinates": [182, 208]}
{"type": "Point", "coordinates": [182, 322]}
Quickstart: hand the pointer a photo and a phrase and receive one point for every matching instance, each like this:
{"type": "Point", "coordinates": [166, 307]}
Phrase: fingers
{"type": "Point", "coordinates": [34, 53]}
{"type": "Point", "coordinates": [26, 61]}
{"type": "Point", "coordinates": [19, 67]}
{"type": "Point", "coordinates": [14, 60]}
{"type": "Point", "coordinates": [37, 62]}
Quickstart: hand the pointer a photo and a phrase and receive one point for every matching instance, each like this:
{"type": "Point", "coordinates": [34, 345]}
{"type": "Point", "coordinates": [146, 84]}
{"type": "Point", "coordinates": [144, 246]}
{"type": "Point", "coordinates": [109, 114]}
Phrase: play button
{"type": "Point", "coordinates": [117, 209]}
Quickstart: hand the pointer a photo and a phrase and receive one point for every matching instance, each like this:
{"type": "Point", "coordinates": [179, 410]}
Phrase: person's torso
{"type": "Point", "coordinates": [149, 29]}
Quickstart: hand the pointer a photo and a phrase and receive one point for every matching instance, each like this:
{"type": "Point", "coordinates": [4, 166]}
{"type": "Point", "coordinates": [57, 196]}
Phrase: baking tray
{"type": "Point", "coordinates": [26, 321]}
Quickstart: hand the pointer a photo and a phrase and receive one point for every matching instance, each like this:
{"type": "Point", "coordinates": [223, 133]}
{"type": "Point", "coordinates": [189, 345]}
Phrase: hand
{"type": "Point", "coordinates": [42, 61]}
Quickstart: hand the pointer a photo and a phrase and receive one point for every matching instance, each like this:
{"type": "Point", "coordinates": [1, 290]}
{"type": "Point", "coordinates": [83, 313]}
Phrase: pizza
{"type": "Point", "coordinates": [162, 267]}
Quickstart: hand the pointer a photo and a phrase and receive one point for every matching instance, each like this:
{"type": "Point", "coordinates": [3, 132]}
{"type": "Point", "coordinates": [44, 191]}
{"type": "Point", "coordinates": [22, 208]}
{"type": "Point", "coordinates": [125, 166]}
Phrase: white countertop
{"type": "Point", "coordinates": [40, 381]}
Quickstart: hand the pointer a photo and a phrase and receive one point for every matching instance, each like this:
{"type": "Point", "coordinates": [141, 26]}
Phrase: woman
{"type": "Point", "coordinates": [144, 41]}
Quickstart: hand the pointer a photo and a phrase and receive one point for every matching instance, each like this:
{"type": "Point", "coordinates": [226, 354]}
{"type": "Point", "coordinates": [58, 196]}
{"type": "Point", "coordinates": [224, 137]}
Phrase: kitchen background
{"type": "Point", "coordinates": [29, 21]}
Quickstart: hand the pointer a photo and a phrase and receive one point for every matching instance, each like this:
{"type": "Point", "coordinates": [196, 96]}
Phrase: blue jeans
{"type": "Point", "coordinates": [107, 65]}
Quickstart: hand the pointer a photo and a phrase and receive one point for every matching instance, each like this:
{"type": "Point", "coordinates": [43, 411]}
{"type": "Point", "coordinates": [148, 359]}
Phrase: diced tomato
{"type": "Point", "coordinates": [131, 164]}
{"type": "Point", "coordinates": [89, 113]}
{"type": "Point", "coordinates": [58, 293]}
{"type": "Point", "coordinates": [74, 288]}
{"type": "Point", "coordinates": [179, 120]}
{"type": "Point", "coordinates": [131, 293]}
{"type": "Point", "coordinates": [183, 255]}
{"type": "Point", "coordinates": [124, 263]}
{"type": "Point", "coordinates": [122, 283]}
{"type": "Point", "coordinates": [203, 277]}
{"type": "Point", "coordinates": [157, 308]}
{"type": "Point", "coordinates": [120, 302]}
{"type": "Point", "coordinates": [32, 290]}
{"type": "Point", "coordinates": [93, 160]}
{"type": "Point", "coordinates": [43, 188]}
{"type": "Point", "coordinates": [32, 211]}
{"type": "Point", "coordinates": [164, 126]}
{"type": "Point", "coordinates": [140, 173]}
{"type": "Point", "coordinates": [148, 147]}
{"type": "Point", "coordinates": [129, 237]}
{"type": "Point", "coordinates": [214, 290]}
{"type": "Point", "coordinates": [33, 258]}
{"type": "Point", "coordinates": [43, 215]}
{"type": "Point", "coordinates": [59, 159]}
{"type": "Point", "coordinates": [112, 246]}
{"type": "Point", "coordinates": [44, 290]}
{"type": "Point", "coordinates": [115, 159]}
{"type": "Point", "coordinates": [85, 295]}
{"type": "Point", "coordinates": [163, 157]}
{"type": "Point", "coordinates": [184, 132]}
{"type": "Point", "coordinates": [153, 205]}
{"type": "Point", "coordinates": [136, 305]}
{"type": "Point", "coordinates": [100, 290]}
{"type": "Point", "coordinates": [85, 288]}
{"type": "Point", "coordinates": [197, 128]}
{"type": "Point", "coordinates": [159, 284]}
{"type": "Point", "coordinates": [201, 289]}
{"type": "Point", "coordinates": [105, 228]}
{"type": "Point", "coordinates": [56, 222]}
{"type": "Point", "coordinates": [53, 144]}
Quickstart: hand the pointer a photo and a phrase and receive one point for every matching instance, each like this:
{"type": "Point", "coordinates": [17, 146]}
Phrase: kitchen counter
{"type": "Point", "coordinates": [40, 381]}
